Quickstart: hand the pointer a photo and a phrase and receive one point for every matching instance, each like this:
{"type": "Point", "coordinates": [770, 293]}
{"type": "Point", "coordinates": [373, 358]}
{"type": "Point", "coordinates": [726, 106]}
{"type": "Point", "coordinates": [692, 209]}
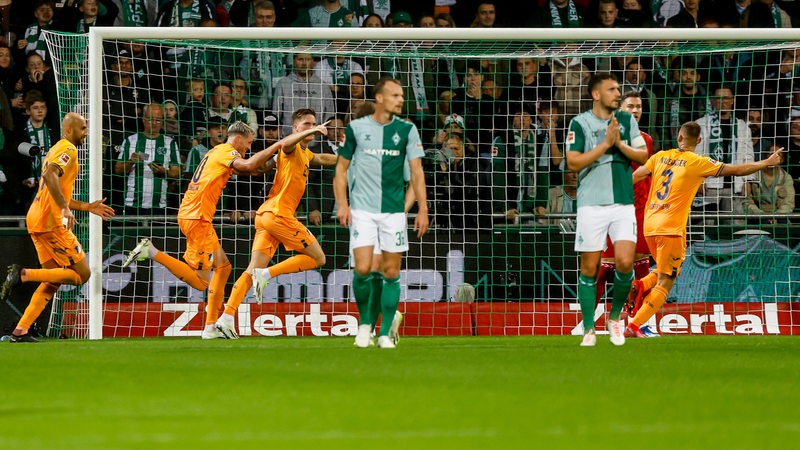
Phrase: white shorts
{"type": "Point", "coordinates": [376, 250]}
{"type": "Point", "coordinates": [387, 231]}
{"type": "Point", "coordinates": [618, 222]}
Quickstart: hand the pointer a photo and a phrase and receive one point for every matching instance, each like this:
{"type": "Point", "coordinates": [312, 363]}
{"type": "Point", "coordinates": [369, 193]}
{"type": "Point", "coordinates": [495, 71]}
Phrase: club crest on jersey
{"type": "Point", "coordinates": [64, 159]}
{"type": "Point", "coordinates": [396, 139]}
{"type": "Point", "coordinates": [571, 137]}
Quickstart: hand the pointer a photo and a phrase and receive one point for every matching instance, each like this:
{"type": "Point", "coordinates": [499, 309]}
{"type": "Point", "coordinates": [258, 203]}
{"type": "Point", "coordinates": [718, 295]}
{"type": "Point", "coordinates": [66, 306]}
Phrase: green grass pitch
{"type": "Point", "coordinates": [468, 392]}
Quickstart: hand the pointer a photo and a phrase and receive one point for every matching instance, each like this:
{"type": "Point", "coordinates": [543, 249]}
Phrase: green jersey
{"type": "Point", "coordinates": [606, 181]}
{"type": "Point", "coordinates": [378, 154]}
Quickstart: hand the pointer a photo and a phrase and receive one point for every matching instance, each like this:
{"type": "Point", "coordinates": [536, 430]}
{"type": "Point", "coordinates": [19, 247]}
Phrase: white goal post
{"type": "Point", "coordinates": [583, 39]}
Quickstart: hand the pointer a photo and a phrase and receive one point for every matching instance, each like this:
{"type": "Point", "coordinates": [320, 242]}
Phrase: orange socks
{"type": "Point", "coordinates": [216, 291]}
{"type": "Point", "coordinates": [649, 280]}
{"type": "Point", "coordinates": [651, 304]}
{"type": "Point", "coordinates": [240, 288]}
{"type": "Point", "coordinates": [43, 294]}
{"type": "Point", "coordinates": [181, 270]}
{"type": "Point", "coordinates": [57, 276]}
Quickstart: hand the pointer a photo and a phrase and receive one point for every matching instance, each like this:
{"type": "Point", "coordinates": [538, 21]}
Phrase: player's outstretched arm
{"type": "Point", "coordinates": [738, 170]}
{"type": "Point", "coordinates": [293, 139]}
{"type": "Point", "coordinates": [323, 159]}
{"type": "Point", "coordinates": [97, 207]}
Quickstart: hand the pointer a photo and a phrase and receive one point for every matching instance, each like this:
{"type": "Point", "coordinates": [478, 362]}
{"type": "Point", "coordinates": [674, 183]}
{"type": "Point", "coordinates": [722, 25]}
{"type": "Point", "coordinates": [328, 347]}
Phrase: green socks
{"type": "Point", "coordinates": [622, 286]}
{"type": "Point", "coordinates": [375, 298]}
{"type": "Point", "coordinates": [361, 291]}
{"type": "Point", "coordinates": [390, 298]}
{"type": "Point", "coordinates": [587, 293]}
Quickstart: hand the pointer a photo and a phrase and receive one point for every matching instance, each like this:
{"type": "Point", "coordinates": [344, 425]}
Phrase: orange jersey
{"type": "Point", "coordinates": [289, 186]}
{"type": "Point", "coordinates": [44, 214]}
{"type": "Point", "coordinates": [676, 177]}
{"type": "Point", "coordinates": [208, 181]}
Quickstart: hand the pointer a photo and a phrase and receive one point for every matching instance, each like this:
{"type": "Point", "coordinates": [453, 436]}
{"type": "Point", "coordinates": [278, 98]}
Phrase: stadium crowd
{"type": "Point", "coordinates": [494, 130]}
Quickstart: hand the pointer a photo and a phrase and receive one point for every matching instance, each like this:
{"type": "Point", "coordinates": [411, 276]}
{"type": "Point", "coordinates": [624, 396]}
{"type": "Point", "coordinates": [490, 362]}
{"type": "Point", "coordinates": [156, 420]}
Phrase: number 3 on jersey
{"type": "Point", "coordinates": [663, 194]}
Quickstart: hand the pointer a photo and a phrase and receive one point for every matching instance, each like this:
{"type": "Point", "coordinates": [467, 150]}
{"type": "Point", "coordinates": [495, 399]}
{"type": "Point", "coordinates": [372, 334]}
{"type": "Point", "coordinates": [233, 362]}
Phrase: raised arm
{"type": "Point", "coordinates": [640, 174]}
{"type": "Point", "coordinates": [323, 159]}
{"type": "Point", "coordinates": [738, 170]}
{"type": "Point", "coordinates": [577, 161]}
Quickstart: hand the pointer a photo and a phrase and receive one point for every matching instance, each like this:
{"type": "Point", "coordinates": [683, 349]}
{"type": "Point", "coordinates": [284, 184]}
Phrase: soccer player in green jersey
{"type": "Point", "coordinates": [375, 149]}
{"type": "Point", "coordinates": [601, 143]}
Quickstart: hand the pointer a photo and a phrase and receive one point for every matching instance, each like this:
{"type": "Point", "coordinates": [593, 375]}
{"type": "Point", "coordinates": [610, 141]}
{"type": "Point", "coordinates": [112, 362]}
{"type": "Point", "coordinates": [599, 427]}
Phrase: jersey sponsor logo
{"type": "Point", "coordinates": [571, 137]}
{"type": "Point", "coordinates": [381, 152]}
{"type": "Point", "coordinates": [495, 150]}
{"type": "Point", "coordinates": [713, 161]}
{"type": "Point", "coordinates": [64, 159]}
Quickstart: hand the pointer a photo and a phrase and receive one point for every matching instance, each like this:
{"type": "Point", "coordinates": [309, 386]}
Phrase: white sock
{"type": "Point", "coordinates": [264, 273]}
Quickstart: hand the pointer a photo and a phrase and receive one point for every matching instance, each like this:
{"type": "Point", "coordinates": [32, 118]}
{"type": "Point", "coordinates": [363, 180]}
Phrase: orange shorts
{"type": "Point", "coordinates": [669, 253]}
{"type": "Point", "coordinates": [272, 230]}
{"type": "Point", "coordinates": [201, 243]}
{"type": "Point", "coordinates": [59, 245]}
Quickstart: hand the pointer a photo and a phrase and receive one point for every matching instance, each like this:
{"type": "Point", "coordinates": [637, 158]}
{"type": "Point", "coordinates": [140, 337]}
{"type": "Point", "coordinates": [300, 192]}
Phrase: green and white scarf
{"type": "Point", "coordinates": [776, 15]}
{"type": "Point", "coordinates": [186, 17]}
{"type": "Point", "coordinates": [134, 13]}
{"type": "Point", "coordinates": [716, 140]}
{"type": "Point", "coordinates": [574, 21]}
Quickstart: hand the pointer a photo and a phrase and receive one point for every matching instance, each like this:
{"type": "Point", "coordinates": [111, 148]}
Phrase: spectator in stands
{"type": "Point", "coordinates": [335, 72]}
{"type": "Point", "coordinates": [148, 70]}
{"type": "Point", "coordinates": [34, 131]}
{"type": "Point", "coordinates": [268, 133]}
{"type": "Point", "coordinates": [172, 124]}
{"type": "Point", "coordinates": [241, 105]}
{"type": "Point", "coordinates": [485, 15]}
{"type": "Point", "coordinates": [330, 13]}
{"type": "Point", "coordinates": [90, 15]}
{"type": "Point", "coordinates": [744, 14]}
{"type": "Point", "coordinates": [636, 78]}
{"type": "Point", "coordinates": [354, 89]}
{"type": "Point", "coordinates": [726, 139]}
{"type": "Point", "coordinates": [772, 194]}
{"type": "Point", "coordinates": [194, 114]}
{"type": "Point", "coordinates": [37, 76]}
{"type": "Point", "coordinates": [495, 93]}
{"type": "Point", "coordinates": [780, 17]}
{"type": "Point", "coordinates": [469, 103]}
{"type": "Point", "coordinates": [124, 98]}
{"type": "Point", "coordinates": [459, 198]}
{"type": "Point", "coordinates": [685, 100]}
{"type": "Point", "coordinates": [184, 13]}
{"type": "Point", "coordinates": [558, 14]}
{"type": "Point", "coordinates": [793, 152]}
{"type": "Point", "coordinates": [302, 89]}
{"type": "Point", "coordinates": [427, 21]}
{"type": "Point", "coordinates": [220, 102]}
{"type": "Point", "coordinates": [607, 13]}
{"type": "Point", "coordinates": [550, 135]}
{"type": "Point", "coordinates": [635, 14]}
{"type": "Point", "coordinates": [690, 15]}
{"type": "Point", "coordinates": [527, 89]}
{"type": "Point", "coordinates": [527, 170]}
{"type": "Point", "coordinates": [8, 76]}
{"type": "Point", "coordinates": [445, 20]}
{"type": "Point", "coordinates": [32, 41]}
{"type": "Point", "coordinates": [149, 160]}
{"type": "Point", "coordinates": [781, 84]}
{"type": "Point", "coordinates": [134, 13]}
{"type": "Point", "coordinates": [761, 146]}
{"type": "Point", "coordinates": [259, 68]}
{"type": "Point", "coordinates": [321, 205]}
{"type": "Point", "coordinates": [562, 199]}
{"type": "Point", "coordinates": [373, 21]}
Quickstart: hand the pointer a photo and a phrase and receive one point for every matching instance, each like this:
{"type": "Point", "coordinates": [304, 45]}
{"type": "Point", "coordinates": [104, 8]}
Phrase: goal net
{"type": "Point", "coordinates": [492, 110]}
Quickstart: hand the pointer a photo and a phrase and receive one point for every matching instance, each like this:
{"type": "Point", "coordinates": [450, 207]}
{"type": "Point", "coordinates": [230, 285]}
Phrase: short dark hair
{"type": "Point", "coordinates": [630, 94]}
{"type": "Point", "coordinates": [381, 83]}
{"type": "Point", "coordinates": [32, 97]}
{"type": "Point", "coordinates": [598, 79]}
{"type": "Point", "coordinates": [302, 112]}
{"type": "Point", "coordinates": [690, 130]}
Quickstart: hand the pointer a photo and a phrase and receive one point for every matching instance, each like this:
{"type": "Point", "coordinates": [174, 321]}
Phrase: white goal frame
{"type": "Point", "coordinates": [95, 92]}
